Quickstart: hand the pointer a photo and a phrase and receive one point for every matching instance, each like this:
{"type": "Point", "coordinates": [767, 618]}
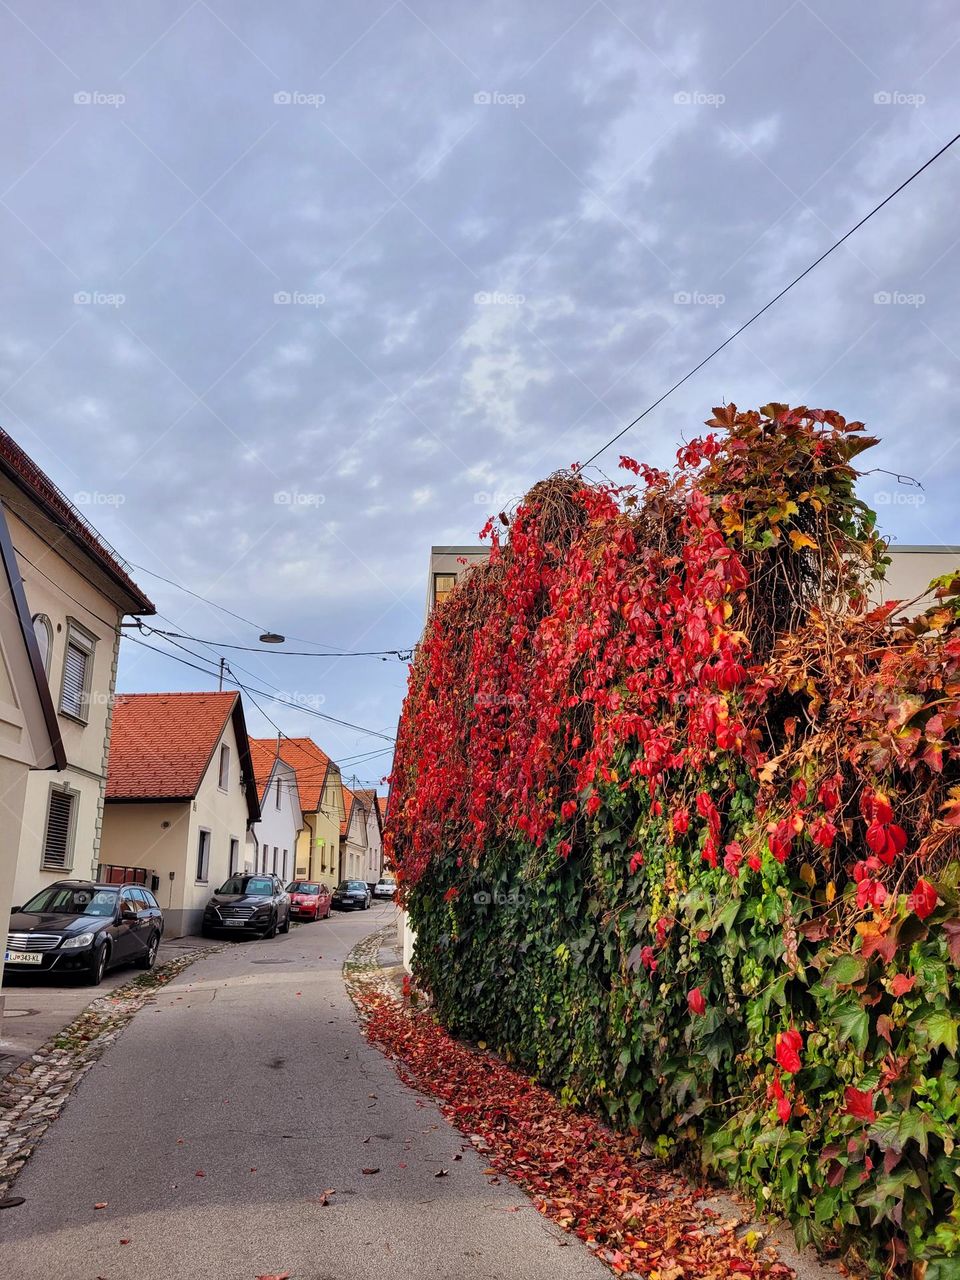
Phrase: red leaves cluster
{"type": "Point", "coordinates": [636, 1215]}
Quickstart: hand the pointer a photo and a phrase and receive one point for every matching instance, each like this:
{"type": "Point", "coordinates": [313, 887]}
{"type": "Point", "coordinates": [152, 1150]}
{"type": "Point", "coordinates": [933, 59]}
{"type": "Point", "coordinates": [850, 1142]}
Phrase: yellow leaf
{"type": "Point", "coordinates": [808, 875]}
{"type": "Point", "coordinates": [799, 540]}
{"type": "Point", "coordinates": [831, 891]}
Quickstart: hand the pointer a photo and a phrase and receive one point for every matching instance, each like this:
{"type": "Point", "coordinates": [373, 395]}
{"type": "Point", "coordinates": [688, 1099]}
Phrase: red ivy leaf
{"type": "Point", "coordinates": [901, 984]}
{"type": "Point", "coordinates": [860, 1104]}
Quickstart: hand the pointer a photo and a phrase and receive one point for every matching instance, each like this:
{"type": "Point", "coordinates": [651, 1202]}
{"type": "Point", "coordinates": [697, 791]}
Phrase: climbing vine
{"type": "Point", "coordinates": [675, 812]}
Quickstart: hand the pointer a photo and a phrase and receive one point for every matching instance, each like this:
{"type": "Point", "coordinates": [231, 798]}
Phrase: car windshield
{"type": "Point", "coordinates": [299, 886]}
{"type": "Point", "coordinates": [386, 883]}
{"type": "Point", "coordinates": [74, 900]}
{"type": "Point", "coordinates": [254, 885]}
{"type": "Point", "coordinates": [351, 884]}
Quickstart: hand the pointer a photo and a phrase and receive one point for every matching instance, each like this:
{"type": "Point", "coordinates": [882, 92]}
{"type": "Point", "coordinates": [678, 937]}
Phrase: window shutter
{"type": "Point", "coordinates": [56, 844]}
{"type": "Point", "coordinates": [74, 681]}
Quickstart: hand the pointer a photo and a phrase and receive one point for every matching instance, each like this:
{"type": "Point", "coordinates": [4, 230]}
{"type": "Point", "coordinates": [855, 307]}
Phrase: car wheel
{"type": "Point", "coordinates": [272, 931]}
{"type": "Point", "coordinates": [285, 927]}
{"type": "Point", "coordinates": [99, 965]}
{"type": "Point", "coordinates": [148, 960]}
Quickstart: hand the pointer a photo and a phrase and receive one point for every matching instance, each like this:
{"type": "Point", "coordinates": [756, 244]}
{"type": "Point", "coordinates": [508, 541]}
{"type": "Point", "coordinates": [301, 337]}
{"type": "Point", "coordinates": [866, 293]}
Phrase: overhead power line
{"type": "Point", "coordinates": [776, 298]}
{"type": "Point", "coordinates": [322, 715]}
{"type": "Point", "coordinates": [284, 653]}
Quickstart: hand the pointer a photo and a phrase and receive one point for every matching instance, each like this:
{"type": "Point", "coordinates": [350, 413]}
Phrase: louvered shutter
{"type": "Point", "coordinates": [56, 843]}
{"type": "Point", "coordinates": [74, 681]}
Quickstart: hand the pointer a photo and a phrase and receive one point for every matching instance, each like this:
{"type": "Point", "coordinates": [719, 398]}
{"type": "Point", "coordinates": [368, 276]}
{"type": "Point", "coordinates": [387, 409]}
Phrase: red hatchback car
{"type": "Point", "coordinates": [309, 900]}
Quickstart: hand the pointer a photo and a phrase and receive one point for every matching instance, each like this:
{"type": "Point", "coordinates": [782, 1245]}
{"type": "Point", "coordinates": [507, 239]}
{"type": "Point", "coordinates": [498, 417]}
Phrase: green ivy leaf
{"type": "Point", "coordinates": [853, 1024]}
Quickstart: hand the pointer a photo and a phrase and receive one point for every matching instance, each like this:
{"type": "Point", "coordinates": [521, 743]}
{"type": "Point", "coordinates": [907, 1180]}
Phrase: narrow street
{"type": "Point", "coordinates": [230, 1109]}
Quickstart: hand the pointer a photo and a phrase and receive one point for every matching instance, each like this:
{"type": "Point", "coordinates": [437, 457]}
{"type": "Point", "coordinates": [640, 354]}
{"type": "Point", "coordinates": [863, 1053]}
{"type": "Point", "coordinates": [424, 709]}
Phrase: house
{"type": "Point", "coordinates": [29, 729]}
{"type": "Point", "coordinates": [273, 840]}
{"type": "Point", "coordinates": [373, 862]}
{"type": "Point", "coordinates": [77, 591]}
{"type": "Point", "coordinates": [353, 838]}
{"type": "Point", "coordinates": [912, 569]}
{"type": "Point", "coordinates": [447, 566]}
{"type": "Point", "coordinates": [321, 802]}
{"type": "Point", "coordinates": [181, 797]}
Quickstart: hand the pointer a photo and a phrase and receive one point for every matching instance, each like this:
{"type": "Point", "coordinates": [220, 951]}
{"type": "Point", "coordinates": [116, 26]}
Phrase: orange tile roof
{"type": "Point", "coordinates": [28, 477]}
{"type": "Point", "coordinates": [311, 765]}
{"type": "Point", "coordinates": [348, 799]}
{"type": "Point", "coordinates": [162, 743]}
{"type": "Point", "coordinates": [263, 753]}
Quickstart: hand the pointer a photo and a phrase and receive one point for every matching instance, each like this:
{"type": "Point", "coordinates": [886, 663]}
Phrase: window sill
{"type": "Point", "coordinates": [60, 871]}
{"type": "Point", "coordinates": [70, 715]}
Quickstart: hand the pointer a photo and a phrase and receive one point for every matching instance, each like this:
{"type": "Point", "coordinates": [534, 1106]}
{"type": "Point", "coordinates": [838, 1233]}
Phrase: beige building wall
{"type": "Point", "coordinates": [70, 600]}
{"type": "Point", "coordinates": [318, 846]}
{"type": "Point", "coordinates": [373, 859]}
{"type": "Point", "coordinates": [134, 835]}
{"type": "Point", "coordinates": [911, 570]}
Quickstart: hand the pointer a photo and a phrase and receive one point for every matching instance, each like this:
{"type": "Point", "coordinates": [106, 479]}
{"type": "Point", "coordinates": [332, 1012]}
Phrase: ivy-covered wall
{"type": "Point", "coordinates": [675, 816]}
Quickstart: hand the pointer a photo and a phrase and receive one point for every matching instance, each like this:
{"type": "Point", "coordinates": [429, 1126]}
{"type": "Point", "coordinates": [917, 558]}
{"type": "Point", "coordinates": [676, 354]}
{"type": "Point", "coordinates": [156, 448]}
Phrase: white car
{"type": "Point", "coordinates": [384, 889]}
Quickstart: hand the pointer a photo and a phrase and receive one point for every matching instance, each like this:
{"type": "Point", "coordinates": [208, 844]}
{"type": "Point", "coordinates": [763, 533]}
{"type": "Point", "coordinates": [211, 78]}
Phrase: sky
{"type": "Point", "coordinates": [293, 292]}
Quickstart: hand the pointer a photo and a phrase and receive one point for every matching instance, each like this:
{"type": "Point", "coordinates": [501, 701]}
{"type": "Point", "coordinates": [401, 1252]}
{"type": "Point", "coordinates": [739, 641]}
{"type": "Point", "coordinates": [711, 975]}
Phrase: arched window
{"type": "Point", "coordinates": [43, 630]}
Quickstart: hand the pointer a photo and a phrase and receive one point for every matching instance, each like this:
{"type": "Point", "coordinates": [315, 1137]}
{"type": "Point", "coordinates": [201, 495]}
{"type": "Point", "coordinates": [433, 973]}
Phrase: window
{"type": "Point", "coordinates": [43, 630]}
{"type": "Point", "coordinates": [278, 793]}
{"type": "Point", "coordinates": [283, 870]}
{"type": "Point", "coordinates": [275, 852]}
{"type": "Point", "coordinates": [224, 767]}
{"type": "Point", "coordinates": [57, 854]}
{"type": "Point", "coordinates": [443, 584]}
{"type": "Point", "coordinates": [77, 672]}
{"type": "Point", "coordinates": [234, 866]}
{"type": "Point", "coordinates": [203, 856]}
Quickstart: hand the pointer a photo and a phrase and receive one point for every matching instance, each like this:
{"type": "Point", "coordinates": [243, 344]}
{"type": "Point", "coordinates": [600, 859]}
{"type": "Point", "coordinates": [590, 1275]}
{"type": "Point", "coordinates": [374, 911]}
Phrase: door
{"type": "Point", "coordinates": [126, 945]}
{"type": "Point", "coordinates": [144, 927]}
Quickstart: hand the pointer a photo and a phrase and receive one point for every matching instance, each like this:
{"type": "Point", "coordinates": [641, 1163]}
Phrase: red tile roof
{"type": "Point", "coordinates": [28, 477]}
{"type": "Point", "coordinates": [311, 765]}
{"type": "Point", "coordinates": [348, 799]}
{"type": "Point", "coordinates": [162, 743]}
{"type": "Point", "coordinates": [263, 753]}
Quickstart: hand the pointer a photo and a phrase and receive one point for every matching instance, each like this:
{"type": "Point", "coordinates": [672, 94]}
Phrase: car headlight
{"type": "Point", "coordinates": [76, 942]}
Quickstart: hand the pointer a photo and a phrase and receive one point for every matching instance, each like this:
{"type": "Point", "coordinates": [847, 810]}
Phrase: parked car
{"type": "Point", "coordinates": [309, 900]}
{"type": "Point", "coordinates": [82, 927]}
{"type": "Point", "coordinates": [384, 888]}
{"type": "Point", "coordinates": [248, 904]}
{"type": "Point", "coordinates": [350, 894]}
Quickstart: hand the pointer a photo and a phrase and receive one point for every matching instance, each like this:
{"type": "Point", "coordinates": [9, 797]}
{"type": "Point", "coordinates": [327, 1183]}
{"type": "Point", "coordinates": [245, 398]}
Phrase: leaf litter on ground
{"type": "Point", "coordinates": [637, 1215]}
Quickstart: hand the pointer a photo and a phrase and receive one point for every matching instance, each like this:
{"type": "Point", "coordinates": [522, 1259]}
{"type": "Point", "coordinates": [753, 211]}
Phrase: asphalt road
{"type": "Point", "coordinates": [251, 1070]}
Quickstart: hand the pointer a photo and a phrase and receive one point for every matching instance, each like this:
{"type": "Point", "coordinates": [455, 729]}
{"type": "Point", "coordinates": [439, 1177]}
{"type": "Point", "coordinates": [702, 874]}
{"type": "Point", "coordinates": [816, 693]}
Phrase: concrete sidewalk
{"type": "Point", "coordinates": [36, 1008]}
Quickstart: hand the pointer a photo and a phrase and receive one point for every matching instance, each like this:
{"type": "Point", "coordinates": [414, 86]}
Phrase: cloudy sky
{"type": "Point", "coordinates": [292, 292]}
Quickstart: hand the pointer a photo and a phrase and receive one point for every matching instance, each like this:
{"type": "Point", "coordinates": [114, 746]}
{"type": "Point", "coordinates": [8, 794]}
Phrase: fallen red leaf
{"type": "Point", "coordinates": [101, 1205]}
{"type": "Point", "coordinates": [376, 1170]}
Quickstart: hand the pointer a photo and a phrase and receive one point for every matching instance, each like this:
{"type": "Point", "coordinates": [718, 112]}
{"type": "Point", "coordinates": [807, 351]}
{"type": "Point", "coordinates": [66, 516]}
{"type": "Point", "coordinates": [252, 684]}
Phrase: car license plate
{"type": "Point", "coordinates": [236, 924]}
{"type": "Point", "coordinates": [23, 957]}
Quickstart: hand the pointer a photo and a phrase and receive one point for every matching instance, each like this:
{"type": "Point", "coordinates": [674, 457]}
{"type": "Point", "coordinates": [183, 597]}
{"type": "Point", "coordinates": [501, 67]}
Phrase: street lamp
{"type": "Point", "coordinates": [271, 637]}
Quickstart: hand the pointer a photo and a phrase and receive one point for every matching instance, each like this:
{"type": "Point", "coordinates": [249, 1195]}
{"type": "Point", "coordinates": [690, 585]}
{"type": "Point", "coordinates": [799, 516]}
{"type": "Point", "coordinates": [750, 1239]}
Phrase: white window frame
{"type": "Point", "coordinates": [234, 861]}
{"type": "Point", "coordinates": [85, 642]}
{"type": "Point", "coordinates": [203, 862]}
{"type": "Point", "coordinates": [223, 776]}
{"type": "Point", "coordinates": [71, 834]}
{"type": "Point", "coordinates": [42, 620]}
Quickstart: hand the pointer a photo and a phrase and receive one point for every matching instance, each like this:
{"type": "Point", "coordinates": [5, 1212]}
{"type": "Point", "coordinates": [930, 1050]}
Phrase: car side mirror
{"type": "Point", "coordinates": [128, 915]}
{"type": "Point", "coordinates": [14, 910]}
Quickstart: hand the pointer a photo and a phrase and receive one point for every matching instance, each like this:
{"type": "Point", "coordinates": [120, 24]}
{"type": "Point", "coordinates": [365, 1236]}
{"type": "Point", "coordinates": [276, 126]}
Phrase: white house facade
{"type": "Point", "coordinates": [272, 845]}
